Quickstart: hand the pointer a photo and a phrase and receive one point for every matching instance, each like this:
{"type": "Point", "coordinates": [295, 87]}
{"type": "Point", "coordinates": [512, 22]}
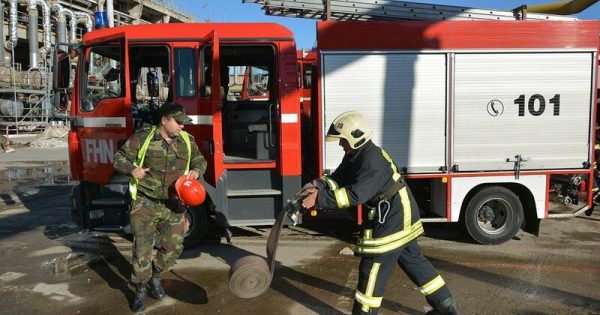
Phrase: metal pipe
{"type": "Point", "coordinates": [47, 27]}
{"type": "Point", "coordinates": [73, 24]}
{"type": "Point", "coordinates": [12, 42]}
{"type": "Point", "coordinates": [562, 7]}
{"type": "Point", "coordinates": [32, 33]}
{"type": "Point", "coordinates": [110, 13]}
{"type": "Point", "coordinates": [2, 61]}
{"type": "Point", "coordinates": [100, 6]}
{"type": "Point", "coordinates": [32, 30]}
{"type": "Point", "coordinates": [61, 27]}
{"type": "Point", "coordinates": [87, 19]}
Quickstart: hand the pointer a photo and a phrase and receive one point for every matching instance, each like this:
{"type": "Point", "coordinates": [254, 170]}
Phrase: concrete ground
{"type": "Point", "coordinates": [47, 266]}
{"type": "Point", "coordinates": [24, 150]}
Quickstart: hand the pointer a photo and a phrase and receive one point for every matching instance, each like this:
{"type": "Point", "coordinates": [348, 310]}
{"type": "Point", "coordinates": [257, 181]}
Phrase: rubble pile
{"type": "Point", "coordinates": [53, 137]}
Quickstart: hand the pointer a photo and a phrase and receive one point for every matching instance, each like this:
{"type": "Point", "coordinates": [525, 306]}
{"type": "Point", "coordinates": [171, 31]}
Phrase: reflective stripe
{"type": "Point", "coordinates": [402, 238]}
{"type": "Point", "coordinates": [341, 196]}
{"type": "Point", "coordinates": [372, 278]}
{"type": "Point", "coordinates": [406, 207]}
{"type": "Point", "coordinates": [289, 118]}
{"type": "Point", "coordinates": [186, 138]}
{"type": "Point", "coordinates": [433, 285]}
{"type": "Point", "coordinates": [330, 182]}
{"type": "Point", "coordinates": [396, 175]}
{"type": "Point", "coordinates": [104, 122]}
{"type": "Point", "coordinates": [201, 119]}
{"type": "Point", "coordinates": [368, 300]}
{"type": "Point", "coordinates": [368, 234]}
{"type": "Point", "coordinates": [133, 182]}
{"type": "Point", "coordinates": [407, 211]}
{"type": "Point", "coordinates": [390, 238]}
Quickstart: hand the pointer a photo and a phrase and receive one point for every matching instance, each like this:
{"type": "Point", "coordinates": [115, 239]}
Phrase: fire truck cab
{"type": "Point", "coordinates": [488, 119]}
{"type": "Point", "coordinates": [238, 82]}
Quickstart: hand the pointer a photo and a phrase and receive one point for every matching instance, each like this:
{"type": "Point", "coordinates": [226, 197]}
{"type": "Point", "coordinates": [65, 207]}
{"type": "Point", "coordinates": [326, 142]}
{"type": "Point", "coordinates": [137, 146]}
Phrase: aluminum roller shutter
{"type": "Point", "coordinates": [485, 136]}
{"type": "Point", "coordinates": [402, 95]}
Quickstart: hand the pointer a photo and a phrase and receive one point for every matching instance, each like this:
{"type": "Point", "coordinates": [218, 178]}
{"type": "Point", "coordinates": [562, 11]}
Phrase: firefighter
{"type": "Point", "coordinates": [367, 175]}
{"type": "Point", "coordinates": [155, 158]}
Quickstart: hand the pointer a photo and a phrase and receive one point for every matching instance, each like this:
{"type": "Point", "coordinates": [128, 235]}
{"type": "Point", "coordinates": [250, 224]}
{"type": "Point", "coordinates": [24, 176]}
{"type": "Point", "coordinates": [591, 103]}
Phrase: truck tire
{"type": "Point", "coordinates": [494, 215]}
{"type": "Point", "coordinates": [198, 220]}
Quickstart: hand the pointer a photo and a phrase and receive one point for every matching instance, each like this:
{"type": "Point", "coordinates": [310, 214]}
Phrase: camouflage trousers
{"type": "Point", "coordinates": [149, 218]}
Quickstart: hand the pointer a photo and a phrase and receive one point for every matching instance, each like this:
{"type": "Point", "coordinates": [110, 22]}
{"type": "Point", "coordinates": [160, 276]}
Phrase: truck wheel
{"type": "Point", "coordinates": [494, 215]}
{"type": "Point", "coordinates": [197, 218]}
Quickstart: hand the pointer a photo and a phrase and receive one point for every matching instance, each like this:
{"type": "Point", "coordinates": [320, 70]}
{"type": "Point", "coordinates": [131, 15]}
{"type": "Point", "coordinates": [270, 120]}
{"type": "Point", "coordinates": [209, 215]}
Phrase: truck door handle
{"type": "Point", "coordinates": [211, 147]}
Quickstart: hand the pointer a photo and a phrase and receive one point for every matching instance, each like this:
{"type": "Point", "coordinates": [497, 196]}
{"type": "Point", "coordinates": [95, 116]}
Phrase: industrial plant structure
{"type": "Point", "coordinates": [29, 35]}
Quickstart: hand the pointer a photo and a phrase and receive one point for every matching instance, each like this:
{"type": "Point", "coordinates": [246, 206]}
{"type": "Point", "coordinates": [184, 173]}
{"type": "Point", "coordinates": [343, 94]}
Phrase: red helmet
{"type": "Point", "coordinates": [190, 191]}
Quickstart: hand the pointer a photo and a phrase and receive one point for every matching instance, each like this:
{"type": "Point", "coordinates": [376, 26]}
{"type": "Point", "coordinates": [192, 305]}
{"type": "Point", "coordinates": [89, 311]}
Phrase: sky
{"type": "Point", "coordinates": [304, 29]}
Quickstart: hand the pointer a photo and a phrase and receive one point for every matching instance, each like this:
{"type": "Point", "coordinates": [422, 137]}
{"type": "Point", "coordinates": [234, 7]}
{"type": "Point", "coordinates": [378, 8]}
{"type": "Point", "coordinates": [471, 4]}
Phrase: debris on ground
{"type": "Point", "coordinates": [53, 137]}
{"type": "Point", "coordinates": [347, 251]}
{"type": "Point", "coordinates": [5, 144]}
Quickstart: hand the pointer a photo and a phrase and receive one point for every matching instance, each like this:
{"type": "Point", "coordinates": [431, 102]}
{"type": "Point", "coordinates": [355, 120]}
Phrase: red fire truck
{"type": "Point", "coordinates": [489, 120]}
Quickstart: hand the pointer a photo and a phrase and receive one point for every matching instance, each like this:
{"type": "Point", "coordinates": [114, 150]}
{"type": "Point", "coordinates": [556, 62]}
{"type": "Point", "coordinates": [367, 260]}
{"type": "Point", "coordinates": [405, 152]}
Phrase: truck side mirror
{"type": "Point", "coordinates": [62, 70]}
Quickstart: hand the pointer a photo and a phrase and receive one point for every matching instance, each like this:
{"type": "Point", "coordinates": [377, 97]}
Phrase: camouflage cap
{"type": "Point", "coordinates": [176, 111]}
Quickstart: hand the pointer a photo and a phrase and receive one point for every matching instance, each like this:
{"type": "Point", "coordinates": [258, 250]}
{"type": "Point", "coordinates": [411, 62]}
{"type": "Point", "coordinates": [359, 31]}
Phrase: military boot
{"type": "Point", "coordinates": [156, 289]}
{"type": "Point", "coordinates": [139, 300]}
{"type": "Point", "coordinates": [446, 307]}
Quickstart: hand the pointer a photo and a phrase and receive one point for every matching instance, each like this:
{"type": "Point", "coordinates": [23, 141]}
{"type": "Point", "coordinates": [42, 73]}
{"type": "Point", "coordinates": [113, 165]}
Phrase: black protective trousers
{"type": "Point", "coordinates": [374, 272]}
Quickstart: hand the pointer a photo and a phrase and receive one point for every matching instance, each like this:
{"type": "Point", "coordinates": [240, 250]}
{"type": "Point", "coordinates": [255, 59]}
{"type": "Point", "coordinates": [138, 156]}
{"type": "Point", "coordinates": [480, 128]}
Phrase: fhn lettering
{"type": "Point", "coordinates": [99, 150]}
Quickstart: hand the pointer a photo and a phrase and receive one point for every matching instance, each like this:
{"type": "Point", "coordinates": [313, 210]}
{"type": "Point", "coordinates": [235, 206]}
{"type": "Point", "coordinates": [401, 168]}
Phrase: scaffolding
{"type": "Point", "coordinates": [27, 100]}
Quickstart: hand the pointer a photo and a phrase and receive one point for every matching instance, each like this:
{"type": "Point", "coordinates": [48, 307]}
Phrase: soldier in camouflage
{"type": "Point", "coordinates": [155, 158]}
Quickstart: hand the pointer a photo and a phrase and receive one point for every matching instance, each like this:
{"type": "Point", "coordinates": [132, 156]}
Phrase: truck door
{"type": "Point", "coordinates": [101, 115]}
{"type": "Point", "coordinates": [242, 81]}
{"type": "Point", "coordinates": [209, 138]}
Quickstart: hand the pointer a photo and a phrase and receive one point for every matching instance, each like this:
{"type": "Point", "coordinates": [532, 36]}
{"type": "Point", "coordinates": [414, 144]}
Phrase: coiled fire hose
{"type": "Point", "coordinates": [251, 276]}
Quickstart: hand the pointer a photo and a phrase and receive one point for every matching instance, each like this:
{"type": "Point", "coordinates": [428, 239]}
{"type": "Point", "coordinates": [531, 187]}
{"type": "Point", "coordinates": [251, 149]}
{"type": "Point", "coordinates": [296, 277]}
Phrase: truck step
{"type": "Point", "coordinates": [114, 201]}
{"type": "Point", "coordinates": [112, 228]}
{"type": "Point", "coordinates": [253, 192]}
{"type": "Point", "coordinates": [251, 222]}
{"type": "Point", "coordinates": [433, 220]}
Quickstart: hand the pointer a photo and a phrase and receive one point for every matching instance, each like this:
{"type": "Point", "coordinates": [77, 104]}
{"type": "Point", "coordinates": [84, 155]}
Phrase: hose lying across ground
{"type": "Point", "coordinates": [251, 276]}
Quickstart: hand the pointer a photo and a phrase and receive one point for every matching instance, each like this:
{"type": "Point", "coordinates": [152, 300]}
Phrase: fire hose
{"type": "Point", "coordinates": [251, 276]}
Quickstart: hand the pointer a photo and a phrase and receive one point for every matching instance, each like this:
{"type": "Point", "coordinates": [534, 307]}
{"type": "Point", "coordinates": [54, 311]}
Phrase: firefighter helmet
{"type": "Point", "coordinates": [190, 191]}
{"type": "Point", "coordinates": [351, 126]}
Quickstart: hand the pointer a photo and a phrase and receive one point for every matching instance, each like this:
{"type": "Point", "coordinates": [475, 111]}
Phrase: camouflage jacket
{"type": "Point", "coordinates": [166, 161]}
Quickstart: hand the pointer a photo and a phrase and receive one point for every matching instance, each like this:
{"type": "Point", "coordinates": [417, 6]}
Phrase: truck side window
{"type": "Point", "coordinates": [307, 76]}
{"type": "Point", "coordinates": [150, 73]}
{"type": "Point", "coordinates": [104, 76]}
{"type": "Point", "coordinates": [185, 72]}
{"type": "Point", "coordinates": [249, 83]}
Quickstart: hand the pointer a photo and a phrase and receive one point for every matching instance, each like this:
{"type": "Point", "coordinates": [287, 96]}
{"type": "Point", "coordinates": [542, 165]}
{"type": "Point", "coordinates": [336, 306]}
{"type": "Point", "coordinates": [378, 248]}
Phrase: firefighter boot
{"type": "Point", "coordinates": [139, 300]}
{"type": "Point", "coordinates": [156, 289]}
{"type": "Point", "coordinates": [446, 307]}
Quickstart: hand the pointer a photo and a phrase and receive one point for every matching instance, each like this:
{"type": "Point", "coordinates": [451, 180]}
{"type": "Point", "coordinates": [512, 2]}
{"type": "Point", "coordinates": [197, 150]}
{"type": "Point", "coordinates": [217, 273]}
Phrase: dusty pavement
{"type": "Point", "coordinates": [47, 266]}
